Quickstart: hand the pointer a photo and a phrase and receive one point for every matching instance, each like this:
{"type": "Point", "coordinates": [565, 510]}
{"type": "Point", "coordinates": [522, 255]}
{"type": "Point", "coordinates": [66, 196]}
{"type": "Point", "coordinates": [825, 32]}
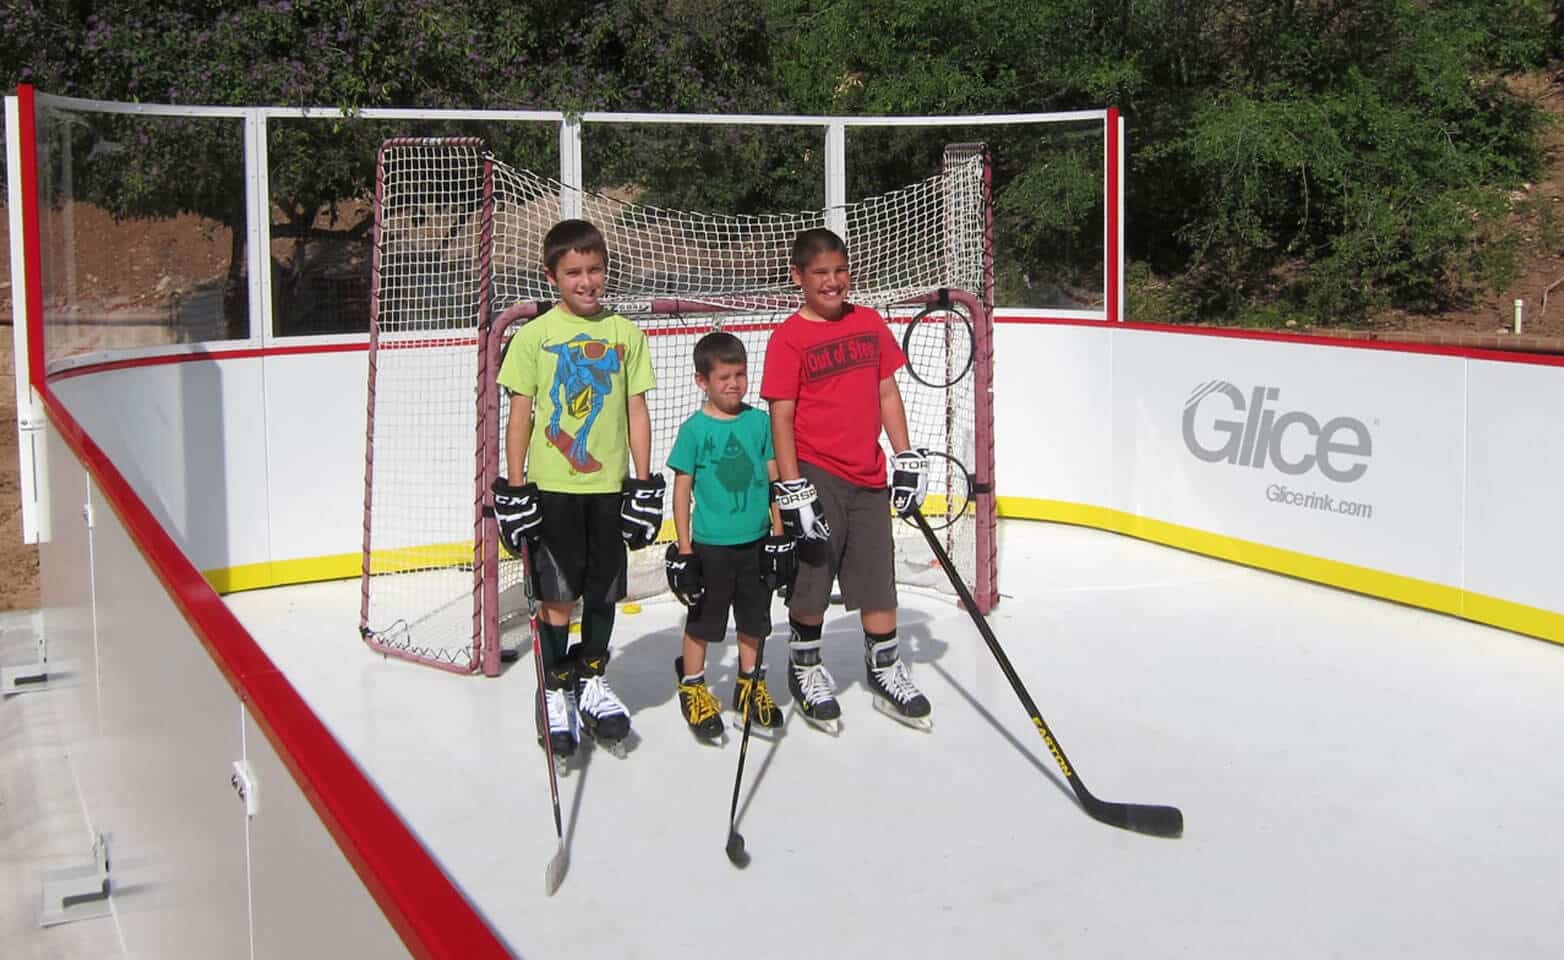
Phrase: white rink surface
{"type": "Point", "coordinates": [1358, 779]}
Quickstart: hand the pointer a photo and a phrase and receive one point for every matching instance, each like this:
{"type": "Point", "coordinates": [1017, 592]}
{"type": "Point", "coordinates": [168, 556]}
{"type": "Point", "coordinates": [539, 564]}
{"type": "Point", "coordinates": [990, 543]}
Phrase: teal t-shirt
{"type": "Point", "coordinates": [728, 460]}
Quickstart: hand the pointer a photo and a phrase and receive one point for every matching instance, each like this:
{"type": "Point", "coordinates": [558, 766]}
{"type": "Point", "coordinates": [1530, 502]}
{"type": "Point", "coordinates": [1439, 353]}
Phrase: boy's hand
{"type": "Point", "coordinates": [800, 509]}
{"type": "Point", "coordinates": [684, 576]}
{"type": "Point", "coordinates": [641, 510]}
{"type": "Point", "coordinates": [778, 563]}
{"type": "Point", "coordinates": [519, 511]}
{"type": "Point", "coordinates": [909, 481]}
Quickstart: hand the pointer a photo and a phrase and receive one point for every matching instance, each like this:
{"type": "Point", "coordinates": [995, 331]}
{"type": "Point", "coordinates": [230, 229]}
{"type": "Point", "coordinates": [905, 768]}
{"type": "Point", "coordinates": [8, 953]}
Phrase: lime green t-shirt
{"type": "Point", "coordinates": [580, 373]}
{"type": "Point", "coordinates": [727, 459]}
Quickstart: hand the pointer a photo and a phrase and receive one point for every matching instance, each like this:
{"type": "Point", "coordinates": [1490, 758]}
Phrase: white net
{"type": "Point", "coordinates": [727, 272]}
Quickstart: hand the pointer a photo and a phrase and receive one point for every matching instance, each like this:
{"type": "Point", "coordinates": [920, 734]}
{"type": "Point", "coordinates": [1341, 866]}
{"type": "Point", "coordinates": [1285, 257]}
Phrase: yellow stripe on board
{"type": "Point", "coordinates": [1477, 607]}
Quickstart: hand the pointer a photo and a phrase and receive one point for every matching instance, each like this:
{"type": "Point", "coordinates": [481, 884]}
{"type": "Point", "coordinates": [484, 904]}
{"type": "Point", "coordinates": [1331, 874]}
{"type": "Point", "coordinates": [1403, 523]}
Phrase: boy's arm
{"type": "Point", "coordinates": [783, 446]}
{"type": "Point", "coordinates": [683, 486]}
{"type": "Point", "coordinates": [776, 515]}
{"type": "Point", "coordinates": [893, 415]}
{"type": "Point", "coordinates": [518, 431]}
{"type": "Point", "coordinates": [640, 436]}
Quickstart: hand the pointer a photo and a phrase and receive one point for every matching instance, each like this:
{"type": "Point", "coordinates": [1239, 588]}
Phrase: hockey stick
{"type": "Point", "coordinates": [737, 855]}
{"type": "Point", "coordinates": [554, 873]}
{"type": "Point", "coordinates": [1155, 820]}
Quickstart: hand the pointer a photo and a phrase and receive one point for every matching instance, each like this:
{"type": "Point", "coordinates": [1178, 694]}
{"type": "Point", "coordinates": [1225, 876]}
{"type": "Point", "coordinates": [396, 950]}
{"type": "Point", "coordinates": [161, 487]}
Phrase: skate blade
{"type": "Point", "coordinates": [832, 727]}
{"type": "Point", "coordinates": [924, 724]}
{"type": "Point", "coordinates": [719, 741]}
{"type": "Point", "coordinates": [619, 748]}
{"type": "Point", "coordinates": [756, 729]}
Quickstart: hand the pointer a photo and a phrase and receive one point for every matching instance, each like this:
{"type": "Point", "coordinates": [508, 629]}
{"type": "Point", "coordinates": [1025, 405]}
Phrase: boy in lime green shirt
{"type": "Point", "coordinates": [578, 450]}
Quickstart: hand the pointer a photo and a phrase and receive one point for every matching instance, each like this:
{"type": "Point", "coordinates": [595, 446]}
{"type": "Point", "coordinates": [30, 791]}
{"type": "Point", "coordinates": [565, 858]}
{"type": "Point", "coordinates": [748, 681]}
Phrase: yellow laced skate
{"type": "Point", "coordinates": [702, 710]}
{"type": "Point", "coordinates": [766, 712]}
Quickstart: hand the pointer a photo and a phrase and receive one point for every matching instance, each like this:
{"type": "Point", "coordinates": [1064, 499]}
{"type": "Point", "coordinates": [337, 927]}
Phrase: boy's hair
{"type": "Point", "coordinates": [572, 236]}
{"type": "Point", "coordinates": [811, 243]}
{"type": "Point", "coordinates": [718, 347]}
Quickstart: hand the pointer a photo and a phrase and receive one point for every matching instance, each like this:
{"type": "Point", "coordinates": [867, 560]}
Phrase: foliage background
{"type": "Point", "coordinates": [1311, 161]}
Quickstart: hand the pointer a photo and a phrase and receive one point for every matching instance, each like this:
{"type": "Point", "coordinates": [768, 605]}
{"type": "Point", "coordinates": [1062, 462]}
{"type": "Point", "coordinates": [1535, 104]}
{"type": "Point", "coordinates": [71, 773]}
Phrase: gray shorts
{"type": "Point", "coordinates": [859, 553]}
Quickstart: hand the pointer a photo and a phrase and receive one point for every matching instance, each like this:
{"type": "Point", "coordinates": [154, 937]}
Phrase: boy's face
{"type": "Point", "coordinates": [726, 385]}
{"type": "Point", "coordinates": [580, 278]}
{"type": "Point", "coordinates": [825, 281]}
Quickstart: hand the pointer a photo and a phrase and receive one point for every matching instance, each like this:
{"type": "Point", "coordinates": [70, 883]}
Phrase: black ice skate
{"type": "Point", "coordinates": [557, 715]}
{"type": "Point", "coordinates": [701, 709]}
{"type": "Point", "coordinates": [767, 714]}
{"type": "Point", "coordinates": [814, 692]}
{"type": "Point", "coordinates": [891, 684]}
{"type": "Point", "coordinates": [603, 716]}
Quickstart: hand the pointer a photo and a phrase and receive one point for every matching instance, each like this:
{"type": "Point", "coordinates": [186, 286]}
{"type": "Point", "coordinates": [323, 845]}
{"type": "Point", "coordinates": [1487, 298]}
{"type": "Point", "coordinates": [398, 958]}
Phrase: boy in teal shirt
{"type": "Point", "coordinates": [732, 553]}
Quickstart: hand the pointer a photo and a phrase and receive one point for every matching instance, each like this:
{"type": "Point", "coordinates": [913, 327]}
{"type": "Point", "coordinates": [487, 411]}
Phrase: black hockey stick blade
{"type": "Point", "coordinates": [554, 873]}
{"type": "Point", "coordinates": [1151, 819]}
{"type": "Point", "coordinates": [737, 855]}
{"type": "Point", "coordinates": [1155, 820]}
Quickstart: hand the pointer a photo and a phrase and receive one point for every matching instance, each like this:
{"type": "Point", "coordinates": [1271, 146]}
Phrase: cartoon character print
{"type": "Point", "coordinates": [735, 471]}
{"type": "Point", "coordinates": [583, 379]}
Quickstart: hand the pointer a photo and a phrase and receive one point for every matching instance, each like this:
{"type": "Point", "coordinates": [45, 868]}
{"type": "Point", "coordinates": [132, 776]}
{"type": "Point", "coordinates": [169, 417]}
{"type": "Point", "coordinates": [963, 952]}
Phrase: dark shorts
{"type": "Point", "coordinates": [579, 552]}
{"type": "Point", "coordinates": [859, 553]}
{"type": "Point", "coordinates": [731, 575]}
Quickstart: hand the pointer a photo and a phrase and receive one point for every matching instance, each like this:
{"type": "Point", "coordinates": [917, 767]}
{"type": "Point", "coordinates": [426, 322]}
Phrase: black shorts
{"type": "Point", "coordinates": [732, 579]}
{"type": "Point", "coordinates": [860, 553]}
{"type": "Point", "coordinates": [579, 552]}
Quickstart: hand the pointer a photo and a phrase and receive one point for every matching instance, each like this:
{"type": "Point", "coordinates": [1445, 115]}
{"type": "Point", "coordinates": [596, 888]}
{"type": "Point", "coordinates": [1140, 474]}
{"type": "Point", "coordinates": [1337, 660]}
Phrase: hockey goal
{"type": "Point", "coordinates": [458, 238]}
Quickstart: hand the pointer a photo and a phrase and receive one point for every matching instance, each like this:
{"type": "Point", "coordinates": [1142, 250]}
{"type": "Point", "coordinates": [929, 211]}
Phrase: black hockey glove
{"type": "Point", "coordinates": [802, 518]}
{"type": "Point", "coordinates": [519, 511]}
{"type": "Point", "coordinates": [778, 563]}
{"type": "Point", "coordinates": [909, 481]}
{"type": "Point", "coordinates": [641, 510]}
{"type": "Point", "coordinates": [684, 576]}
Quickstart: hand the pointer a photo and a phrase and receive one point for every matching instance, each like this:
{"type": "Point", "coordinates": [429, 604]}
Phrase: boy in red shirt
{"type": "Point", "coordinates": [830, 379]}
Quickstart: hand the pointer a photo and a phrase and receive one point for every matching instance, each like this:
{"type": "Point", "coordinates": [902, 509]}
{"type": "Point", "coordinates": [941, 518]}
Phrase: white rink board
{"type": "Point", "coordinates": [1405, 408]}
{"type": "Point", "coordinates": [1052, 399]}
{"type": "Point", "coordinates": [1515, 486]}
{"type": "Point", "coordinates": [260, 462]}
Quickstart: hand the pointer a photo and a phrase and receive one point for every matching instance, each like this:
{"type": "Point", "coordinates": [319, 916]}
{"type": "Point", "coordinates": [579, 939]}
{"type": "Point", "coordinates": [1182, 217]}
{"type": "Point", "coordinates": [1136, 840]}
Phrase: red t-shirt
{"type": "Point", "coordinates": [833, 370]}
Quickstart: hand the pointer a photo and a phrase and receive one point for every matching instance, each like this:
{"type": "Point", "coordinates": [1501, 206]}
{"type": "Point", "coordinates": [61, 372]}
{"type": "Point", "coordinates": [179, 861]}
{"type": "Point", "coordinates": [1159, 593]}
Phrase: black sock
{"type": "Point", "coordinates": [597, 625]}
{"type": "Point", "coordinates": [554, 638]}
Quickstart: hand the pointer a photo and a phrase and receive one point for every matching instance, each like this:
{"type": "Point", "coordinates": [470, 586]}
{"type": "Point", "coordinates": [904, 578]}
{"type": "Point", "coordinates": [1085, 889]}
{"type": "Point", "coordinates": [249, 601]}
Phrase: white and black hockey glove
{"type": "Point", "coordinates": [684, 576]}
{"type": "Point", "coordinates": [778, 563]}
{"type": "Point", "coordinates": [520, 513]}
{"type": "Point", "coordinates": [802, 518]}
{"type": "Point", "coordinates": [641, 510]}
{"type": "Point", "coordinates": [909, 481]}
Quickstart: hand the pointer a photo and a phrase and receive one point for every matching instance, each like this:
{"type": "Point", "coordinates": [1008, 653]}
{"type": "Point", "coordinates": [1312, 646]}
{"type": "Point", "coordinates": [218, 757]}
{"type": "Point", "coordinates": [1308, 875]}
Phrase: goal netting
{"type": "Point", "coordinates": [458, 241]}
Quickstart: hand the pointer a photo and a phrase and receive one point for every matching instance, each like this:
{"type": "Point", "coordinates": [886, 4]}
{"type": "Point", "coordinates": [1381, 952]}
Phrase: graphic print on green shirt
{"type": "Point", "coordinates": [727, 459]}
{"type": "Point", "coordinates": [579, 372]}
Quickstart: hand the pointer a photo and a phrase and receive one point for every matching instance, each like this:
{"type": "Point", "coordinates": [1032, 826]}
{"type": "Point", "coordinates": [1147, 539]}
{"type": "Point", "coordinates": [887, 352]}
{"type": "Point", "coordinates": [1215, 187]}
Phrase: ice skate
{"type": "Point", "coordinates": [814, 692]}
{"type": "Point", "coordinates": [557, 715]}
{"type": "Point", "coordinates": [767, 714]}
{"type": "Point", "coordinates": [603, 716]}
{"type": "Point", "coordinates": [890, 683]}
{"type": "Point", "coordinates": [701, 709]}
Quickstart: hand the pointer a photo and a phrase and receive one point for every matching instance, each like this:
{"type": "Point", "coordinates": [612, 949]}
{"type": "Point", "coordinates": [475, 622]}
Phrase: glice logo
{"type": "Point", "coordinates": [1341, 448]}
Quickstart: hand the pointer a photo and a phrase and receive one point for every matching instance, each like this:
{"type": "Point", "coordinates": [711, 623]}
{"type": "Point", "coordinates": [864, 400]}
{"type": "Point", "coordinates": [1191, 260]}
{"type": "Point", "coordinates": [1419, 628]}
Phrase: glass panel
{"type": "Point", "coordinates": [143, 230]}
{"type": "Point", "coordinates": [1049, 198]}
{"type": "Point", "coordinates": [322, 184]}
